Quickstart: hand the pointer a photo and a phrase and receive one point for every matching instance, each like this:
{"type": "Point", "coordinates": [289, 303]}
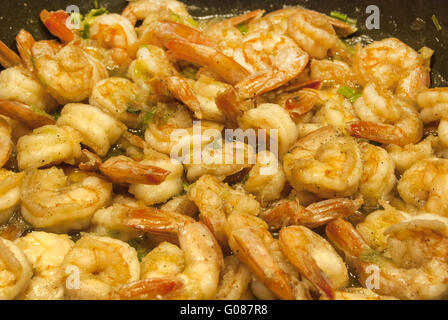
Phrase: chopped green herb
{"type": "Point", "coordinates": [176, 18]}
{"type": "Point", "coordinates": [190, 72]}
{"type": "Point", "coordinates": [244, 27]}
{"type": "Point", "coordinates": [355, 97]}
{"type": "Point", "coordinates": [346, 92]}
{"type": "Point", "coordinates": [191, 22]}
{"type": "Point", "coordinates": [186, 186]}
{"type": "Point", "coordinates": [140, 69]}
{"type": "Point", "coordinates": [339, 15]}
{"type": "Point", "coordinates": [113, 233]}
{"type": "Point", "coordinates": [56, 115]}
{"type": "Point", "coordinates": [114, 152]}
{"type": "Point", "coordinates": [85, 33]}
{"type": "Point", "coordinates": [436, 22]}
{"type": "Point", "coordinates": [141, 254]}
{"type": "Point", "coordinates": [149, 117]}
{"type": "Point", "coordinates": [39, 111]}
{"type": "Point", "coordinates": [352, 21]}
{"type": "Point", "coordinates": [96, 12]}
{"type": "Point", "coordinates": [95, 4]}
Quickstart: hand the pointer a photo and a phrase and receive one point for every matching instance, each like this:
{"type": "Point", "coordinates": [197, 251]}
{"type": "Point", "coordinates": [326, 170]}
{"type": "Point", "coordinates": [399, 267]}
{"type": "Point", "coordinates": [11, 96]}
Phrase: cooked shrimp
{"type": "Point", "coordinates": [285, 213]}
{"type": "Point", "coordinates": [48, 145]}
{"type": "Point", "coordinates": [98, 129]}
{"type": "Point", "coordinates": [16, 84]}
{"type": "Point", "coordinates": [68, 73]}
{"type": "Point", "coordinates": [315, 258]}
{"type": "Point", "coordinates": [235, 280]}
{"type": "Point", "coordinates": [171, 186]}
{"type": "Point", "coordinates": [199, 96]}
{"type": "Point", "coordinates": [226, 67]}
{"type": "Point", "coordinates": [203, 258]}
{"type": "Point", "coordinates": [325, 163]}
{"type": "Point", "coordinates": [15, 270]}
{"type": "Point", "coordinates": [425, 280]}
{"type": "Point", "coordinates": [266, 179]}
{"type": "Point", "coordinates": [404, 157]}
{"type": "Point", "coordinates": [151, 10]}
{"type": "Point", "coordinates": [313, 32]}
{"type": "Point", "coordinates": [56, 23]}
{"type": "Point", "coordinates": [122, 169]}
{"type": "Point", "coordinates": [45, 252]}
{"type": "Point", "coordinates": [217, 202]}
{"type": "Point", "coordinates": [434, 104]}
{"type": "Point", "coordinates": [8, 58]}
{"type": "Point", "coordinates": [183, 205]}
{"type": "Point", "coordinates": [171, 131]}
{"type": "Point", "coordinates": [6, 144]}
{"type": "Point", "coordinates": [385, 118]}
{"type": "Point", "coordinates": [102, 264]}
{"type": "Point", "coordinates": [378, 178]}
{"type": "Point", "coordinates": [372, 228]}
{"type": "Point", "coordinates": [31, 117]}
{"type": "Point", "coordinates": [358, 294]}
{"type": "Point", "coordinates": [53, 201]}
{"type": "Point", "coordinates": [332, 72]}
{"type": "Point", "coordinates": [275, 121]}
{"type": "Point", "coordinates": [9, 193]}
{"type": "Point", "coordinates": [261, 253]}
{"type": "Point", "coordinates": [393, 65]}
{"type": "Point", "coordinates": [114, 32]}
{"type": "Point", "coordinates": [112, 220]}
{"type": "Point", "coordinates": [424, 185]}
{"type": "Point", "coordinates": [120, 98]}
{"type": "Point", "coordinates": [220, 159]}
{"type": "Point", "coordinates": [275, 61]}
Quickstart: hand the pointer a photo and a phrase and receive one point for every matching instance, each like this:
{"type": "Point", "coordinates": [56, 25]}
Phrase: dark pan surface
{"type": "Point", "coordinates": [397, 18]}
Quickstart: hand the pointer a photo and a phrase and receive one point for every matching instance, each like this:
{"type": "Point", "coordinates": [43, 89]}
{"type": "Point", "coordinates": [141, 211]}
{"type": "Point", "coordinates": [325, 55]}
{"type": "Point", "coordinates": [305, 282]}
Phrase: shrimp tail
{"type": "Point", "coordinates": [23, 113]}
{"type": "Point", "coordinates": [250, 249]}
{"type": "Point", "coordinates": [304, 262]}
{"type": "Point", "coordinates": [345, 237]}
{"type": "Point", "coordinates": [56, 23]}
{"type": "Point", "coordinates": [8, 58]}
{"type": "Point", "coordinates": [182, 91]}
{"type": "Point", "coordinates": [224, 66]}
{"type": "Point", "coordinates": [382, 133]}
{"type": "Point", "coordinates": [303, 102]}
{"type": "Point", "coordinates": [125, 170]}
{"type": "Point", "coordinates": [149, 289]}
{"type": "Point", "coordinates": [25, 42]}
{"type": "Point", "coordinates": [232, 105]}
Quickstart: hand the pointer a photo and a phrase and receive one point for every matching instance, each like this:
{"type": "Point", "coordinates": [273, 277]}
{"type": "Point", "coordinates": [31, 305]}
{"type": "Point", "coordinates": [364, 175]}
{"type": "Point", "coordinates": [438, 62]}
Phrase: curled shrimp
{"type": "Point", "coordinates": [8, 58]}
{"type": "Point", "coordinates": [325, 163]}
{"type": "Point", "coordinates": [404, 157]}
{"type": "Point", "coordinates": [114, 32]}
{"type": "Point", "coordinates": [48, 145]}
{"type": "Point", "coordinates": [150, 10]}
{"type": "Point", "coordinates": [217, 201]}
{"type": "Point", "coordinates": [266, 179]}
{"type": "Point", "coordinates": [9, 193]}
{"type": "Point", "coordinates": [54, 201]}
{"type": "Point", "coordinates": [98, 129]}
{"type": "Point", "coordinates": [122, 169]}
{"type": "Point", "coordinates": [235, 280]}
{"type": "Point", "coordinates": [393, 65]}
{"type": "Point", "coordinates": [385, 118]}
{"type": "Point", "coordinates": [285, 213]}
{"type": "Point", "coordinates": [15, 270]}
{"type": "Point", "coordinates": [199, 96]}
{"type": "Point", "coordinates": [21, 87]}
{"type": "Point", "coordinates": [6, 144]}
{"type": "Point", "coordinates": [424, 185]}
{"type": "Point", "coordinates": [315, 258]}
{"type": "Point", "coordinates": [378, 178]}
{"type": "Point", "coordinates": [254, 245]}
{"type": "Point", "coordinates": [424, 280]}
{"type": "Point", "coordinates": [103, 265]}
{"type": "Point", "coordinates": [273, 119]}
{"type": "Point", "coordinates": [68, 73]}
{"type": "Point", "coordinates": [45, 251]}
{"type": "Point", "coordinates": [203, 257]}
{"type": "Point", "coordinates": [120, 98]}
{"type": "Point", "coordinates": [434, 104]}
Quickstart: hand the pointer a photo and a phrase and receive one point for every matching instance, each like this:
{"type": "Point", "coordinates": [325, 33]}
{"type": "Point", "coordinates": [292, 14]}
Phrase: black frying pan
{"type": "Point", "coordinates": [397, 17]}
